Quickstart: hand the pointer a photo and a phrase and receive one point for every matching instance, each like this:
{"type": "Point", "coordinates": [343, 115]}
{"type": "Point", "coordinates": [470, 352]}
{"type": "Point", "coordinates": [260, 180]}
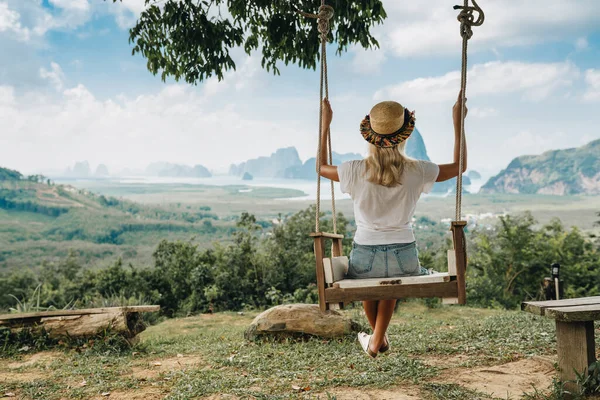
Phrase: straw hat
{"type": "Point", "coordinates": [388, 125]}
{"type": "Point", "coordinates": [387, 117]}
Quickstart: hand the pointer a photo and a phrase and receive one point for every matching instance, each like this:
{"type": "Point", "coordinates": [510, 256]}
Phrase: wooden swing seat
{"type": "Point", "coordinates": [446, 290]}
{"type": "Point", "coordinates": [335, 288]}
{"type": "Point", "coordinates": [439, 277]}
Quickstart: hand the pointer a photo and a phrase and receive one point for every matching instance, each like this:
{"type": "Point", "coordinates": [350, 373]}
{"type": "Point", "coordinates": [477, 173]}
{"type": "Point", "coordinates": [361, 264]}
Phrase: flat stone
{"type": "Point", "coordinates": [300, 319]}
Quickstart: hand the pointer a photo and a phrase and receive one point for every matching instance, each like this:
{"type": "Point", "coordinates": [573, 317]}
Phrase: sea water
{"type": "Point", "coordinates": [308, 187]}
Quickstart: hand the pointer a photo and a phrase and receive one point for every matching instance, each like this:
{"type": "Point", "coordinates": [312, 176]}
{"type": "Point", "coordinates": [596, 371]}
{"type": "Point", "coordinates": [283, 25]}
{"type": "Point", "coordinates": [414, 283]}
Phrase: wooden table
{"type": "Point", "coordinates": [574, 332]}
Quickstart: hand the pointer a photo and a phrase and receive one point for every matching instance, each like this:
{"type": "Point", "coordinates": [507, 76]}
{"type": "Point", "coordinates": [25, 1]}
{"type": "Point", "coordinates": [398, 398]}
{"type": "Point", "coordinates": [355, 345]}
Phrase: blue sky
{"type": "Point", "coordinates": [70, 90]}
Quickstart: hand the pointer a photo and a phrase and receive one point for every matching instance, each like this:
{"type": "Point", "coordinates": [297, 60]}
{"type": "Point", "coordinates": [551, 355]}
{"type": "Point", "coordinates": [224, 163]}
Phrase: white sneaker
{"type": "Point", "coordinates": [364, 341]}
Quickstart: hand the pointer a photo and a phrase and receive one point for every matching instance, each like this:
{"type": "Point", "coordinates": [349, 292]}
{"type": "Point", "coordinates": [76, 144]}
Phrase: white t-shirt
{"type": "Point", "coordinates": [383, 214]}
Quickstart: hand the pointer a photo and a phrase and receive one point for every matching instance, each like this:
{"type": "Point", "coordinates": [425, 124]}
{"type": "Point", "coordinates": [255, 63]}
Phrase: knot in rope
{"type": "Point", "coordinates": [325, 14]}
{"type": "Point", "coordinates": [467, 19]}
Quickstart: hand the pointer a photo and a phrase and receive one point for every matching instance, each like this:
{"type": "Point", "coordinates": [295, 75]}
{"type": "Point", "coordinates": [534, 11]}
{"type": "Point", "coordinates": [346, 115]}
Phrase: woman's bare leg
{"type": "Point", "coordinates": [385, 311]}
{"type": "Point", "coordinates": [371, 312]}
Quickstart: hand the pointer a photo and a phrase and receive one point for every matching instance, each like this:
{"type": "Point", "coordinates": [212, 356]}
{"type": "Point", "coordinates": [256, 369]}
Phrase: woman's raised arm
{"type": "Point", "coordinates": [449, 171]}
{"type": "Point", "coordinates": [327, 171]}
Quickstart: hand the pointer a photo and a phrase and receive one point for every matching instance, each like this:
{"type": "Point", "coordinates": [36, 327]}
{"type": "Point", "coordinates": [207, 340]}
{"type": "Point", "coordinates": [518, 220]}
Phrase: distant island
{"type": "Point", "coordinates": [286, 163]}
{"type": "Point", "coordinates": [273, 166]}
{"type": "Point", "coordinates": [102, 171]}
{"type": "Point", "coordinates": [164, 169]}
{"type": "Point", "coordinates": [574, 171]}
{"type": "Point", "coordinates": [308, 169]}
{"type": "Point", "coordinates": [449, 186]}
{"type": "Point", "coordinates": [82, 169]}
{"type": "Point", "coordinates": [556, 172]}
{"type": "Point", "coordinates": [473, 175]}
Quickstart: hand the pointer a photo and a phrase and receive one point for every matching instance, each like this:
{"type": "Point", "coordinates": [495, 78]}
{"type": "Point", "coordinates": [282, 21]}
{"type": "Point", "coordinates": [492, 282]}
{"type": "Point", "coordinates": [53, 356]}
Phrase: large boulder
{"type": "Point", "coordinates": [301, 319]}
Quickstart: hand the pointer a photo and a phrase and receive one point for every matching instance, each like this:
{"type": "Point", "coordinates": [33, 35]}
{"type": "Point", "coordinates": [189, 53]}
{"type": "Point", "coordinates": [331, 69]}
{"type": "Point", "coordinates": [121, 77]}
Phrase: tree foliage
{"type": "Point", "coordinates": [9, 200]}
{"type": "Point", "coordinates": [508, 265]}
{"type": "Point", "coordinates": [194, 39]}
{"type": "Point", "coordinates": [10, 175]}
{"type": "Point", "coordinates": [261, 267]}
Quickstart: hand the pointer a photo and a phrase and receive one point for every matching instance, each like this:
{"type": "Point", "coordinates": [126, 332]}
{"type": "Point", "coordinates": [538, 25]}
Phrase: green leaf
{"type": "Point", "coordinates": [192, 39]}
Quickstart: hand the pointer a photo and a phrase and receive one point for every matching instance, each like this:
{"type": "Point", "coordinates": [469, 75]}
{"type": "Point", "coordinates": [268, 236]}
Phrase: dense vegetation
{"type": "Point", "coordinates": [9, 200]}
{"type": "Point", "coordinates": [507, 265]}
{"type": "Point", "coordinates": [9, 175]}
{"type": "Point", "coordinates": [262, 266]}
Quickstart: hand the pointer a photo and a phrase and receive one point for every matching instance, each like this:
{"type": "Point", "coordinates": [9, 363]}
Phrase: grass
{"type": "Point", "coordinates": [451, 391]}
{"type": "Point", "coordinates": [207, 355]}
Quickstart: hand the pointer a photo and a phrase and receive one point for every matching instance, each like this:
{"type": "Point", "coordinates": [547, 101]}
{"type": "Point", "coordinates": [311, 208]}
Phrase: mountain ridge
{"type": "Point", "coordinates": [556, 172]}
{"type": "Point", "coordinates": [272, 166]}
{"type": "Point", "coordinates": [286, 163]}
{"type": "Point", "coordinates": [165, 169]}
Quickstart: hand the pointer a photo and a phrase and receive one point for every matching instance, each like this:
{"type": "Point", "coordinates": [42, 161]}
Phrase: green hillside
{"type": "Point", "coordinates": [41, 222]}
{"type": "Point", "coordinates": [557, 172]}
{"type": "Point", "coordinates": [9, 175]}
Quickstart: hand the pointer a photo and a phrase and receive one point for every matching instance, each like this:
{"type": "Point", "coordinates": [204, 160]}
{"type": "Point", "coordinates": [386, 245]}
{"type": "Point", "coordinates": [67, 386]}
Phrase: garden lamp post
{"type": "Point", "coordinates": [555, 276]}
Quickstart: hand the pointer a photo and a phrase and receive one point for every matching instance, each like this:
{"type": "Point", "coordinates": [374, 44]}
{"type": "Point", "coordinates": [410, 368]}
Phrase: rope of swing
{"type": "Point", "coordinates": [325, 14]}
{"type": "Point", "coordinates": [467, 22]}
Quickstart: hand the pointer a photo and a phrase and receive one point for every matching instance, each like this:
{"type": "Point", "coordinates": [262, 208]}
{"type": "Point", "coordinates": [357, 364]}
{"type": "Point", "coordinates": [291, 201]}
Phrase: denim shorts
{"type": "Point", "coordinates": [384, 261]}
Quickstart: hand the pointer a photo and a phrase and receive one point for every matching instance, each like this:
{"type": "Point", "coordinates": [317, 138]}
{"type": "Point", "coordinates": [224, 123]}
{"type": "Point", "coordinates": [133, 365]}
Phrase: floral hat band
{"type": "Point", "coordinates": [392, 139]}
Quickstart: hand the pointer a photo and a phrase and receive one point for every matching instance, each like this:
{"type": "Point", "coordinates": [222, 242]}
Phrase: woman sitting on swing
{"type": "Point", "coordinates": [385, 188]}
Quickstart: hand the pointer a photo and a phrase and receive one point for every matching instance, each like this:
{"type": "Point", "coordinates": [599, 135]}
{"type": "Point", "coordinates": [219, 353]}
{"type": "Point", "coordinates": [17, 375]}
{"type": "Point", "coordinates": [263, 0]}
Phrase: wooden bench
{"type": "Point", "coordinates": [574, 332]}
{"type": "Point", "coordinates": [86, 322]}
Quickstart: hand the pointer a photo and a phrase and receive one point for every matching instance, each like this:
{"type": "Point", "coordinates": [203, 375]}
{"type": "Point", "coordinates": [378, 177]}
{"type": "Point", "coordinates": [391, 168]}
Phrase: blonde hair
{"type": "Point", "coordinates": [385, 166]}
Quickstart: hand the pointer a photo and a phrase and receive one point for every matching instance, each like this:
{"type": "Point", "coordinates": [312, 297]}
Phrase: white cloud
{"type": "Point", "coordinates": [432, 29]}
{"type": "Point", "coordinates": [535, 81]}
{"type": "Point", "coordinates": [55, 75]}
{"type": "Point", "coordinates": [531, 143]}
{"type": "Point", "coordinates": [31, 20]}
{"type": "Point", "coordinates": [78, 5]}
{"type": "Point", "coordinates": [7, 96]}
{"type": "Point", "coordinates": [239, 79]}
{"type": "Point", "coordinates": [180, 123]}
{"type": "Point", "coordinates": [10, 21]}
{"type": "Point", "coordinates": [193, 125]}
{"type": "Point", "coordinates": [367, 61]}
{"type": "Point", "coordinates": [592, 78]}
{"type": "Point", "coordinates": [486, 112]}
{"type": "Point", "coordinates": [127, 12]}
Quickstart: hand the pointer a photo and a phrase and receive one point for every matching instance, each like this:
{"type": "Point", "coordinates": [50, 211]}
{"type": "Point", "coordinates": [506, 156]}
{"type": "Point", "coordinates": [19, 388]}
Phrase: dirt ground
{"type": "Point", "coordinates": [400, 393]}
{"type": "Point", "coordinates": [508, 380]}
{"type": "Point", "coordinates": [150, 370]}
